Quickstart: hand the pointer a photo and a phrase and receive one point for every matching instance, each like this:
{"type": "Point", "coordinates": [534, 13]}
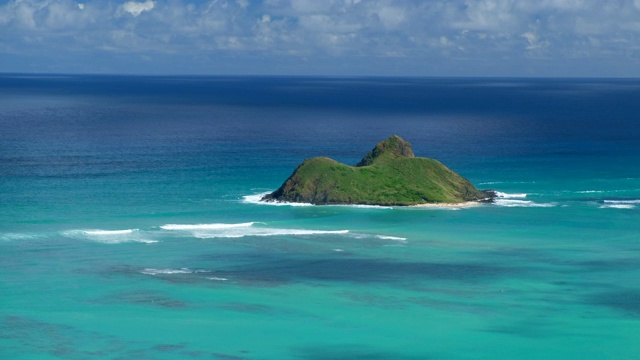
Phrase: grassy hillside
{"type": "Point", "coordinates": [388, 175]}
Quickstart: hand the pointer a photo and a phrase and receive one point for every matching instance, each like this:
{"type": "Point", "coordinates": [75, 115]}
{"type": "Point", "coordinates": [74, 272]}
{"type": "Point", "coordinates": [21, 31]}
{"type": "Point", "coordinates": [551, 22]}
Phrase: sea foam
{"type": "Point", "coordinates": [503, 195]}
{"type": "Point", "coordinates": [256, 199]}
{"type": "Point", "coordinates": [239, 230]}
{"type": "Point", "coordinates": [617, 206]}
{"type": "Point", "coordinates": [366, 206]}
{"type": "Point", "coordinates": [515, 200]}
{"type": "Point", "coordinates": [109, 232]}
{"type": "Point", "coordinates": [521, 203]}
{"type": "Point", "coordinates": [17, 236]}
{"type": "Point", "coordinates": [155, 272]}
{"type": "Point", "coordinates": [394, 238]}
{"type": "Point", "coordinates": [215, 226]}
{"type": "Point", "coordinates": [108, 236]}
{"type": "Point", "coordinates": [620, 204]}
{"type": "Point", "coordinates": [216, 278]}
{"type": "Point", "coordinates": [181, 271]}
{"type": "Point", "coordinates": [622, 201]}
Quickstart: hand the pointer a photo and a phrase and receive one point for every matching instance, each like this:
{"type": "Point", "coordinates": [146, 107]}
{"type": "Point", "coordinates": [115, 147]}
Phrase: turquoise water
{"type": "Point", "coordinates": [129, 226]}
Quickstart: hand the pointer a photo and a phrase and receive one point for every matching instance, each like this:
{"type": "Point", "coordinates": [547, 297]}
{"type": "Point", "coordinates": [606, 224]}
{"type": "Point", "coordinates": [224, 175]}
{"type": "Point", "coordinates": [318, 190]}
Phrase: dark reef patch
{"type": "Point", "coordinates": [143, 297]}
{"type": "Point", "coordinates": [626, 301]}
{"type": "Point", "coordinates": [355, 352]}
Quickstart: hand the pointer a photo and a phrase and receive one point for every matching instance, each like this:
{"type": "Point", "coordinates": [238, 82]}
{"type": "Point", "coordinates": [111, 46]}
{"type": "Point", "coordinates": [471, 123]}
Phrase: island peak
{"type": "Point", "coordinates": [392, 147]}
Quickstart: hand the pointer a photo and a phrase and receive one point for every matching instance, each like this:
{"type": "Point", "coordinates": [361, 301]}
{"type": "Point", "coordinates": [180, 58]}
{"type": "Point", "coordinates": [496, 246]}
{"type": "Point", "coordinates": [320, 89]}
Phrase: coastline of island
{"type": "Point", "coordinates": [389, 175]}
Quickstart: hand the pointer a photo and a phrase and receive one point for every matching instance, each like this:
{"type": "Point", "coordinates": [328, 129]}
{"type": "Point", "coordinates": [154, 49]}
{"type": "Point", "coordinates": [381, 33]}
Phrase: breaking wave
{"type": "Point", "coordinates": [216, 226]}
{"type": "Point", "coordinates": [109, 232]}
{"type": "Point", "coordinates": [394, 238]}
{"type": "Point", "coordinates": [257, 200]}
{"type": "Point", "coordinates": [155, 272]}
{"type": "Point", "coordinates": [18, 236]}
{"type": "Point", "coordinates": [217, 278]}
{"type": "Point", "coordinates": [109, 236]}
{"type": "Point", "coordinates": [503, 195]}
{"type": "Point", "coordinates": [201, 231]}
{"type": "Point", "coordinates": [521, 203]}
{"type": "Point", "coordinates": [201, 274]}
{"type": "Point", "coordinates": [620, 204]}
{"type": "Point", "coordinates": [218, 230]}
{"type": "Point", "coordinates": [515, 200]}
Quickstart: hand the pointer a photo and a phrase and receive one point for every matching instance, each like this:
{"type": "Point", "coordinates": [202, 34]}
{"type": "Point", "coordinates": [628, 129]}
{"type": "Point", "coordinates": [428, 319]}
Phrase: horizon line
{"type": "Point", "coordinates": [186, 75]}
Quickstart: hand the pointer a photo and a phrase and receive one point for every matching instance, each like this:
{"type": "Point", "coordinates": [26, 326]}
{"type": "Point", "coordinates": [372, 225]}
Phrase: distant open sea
{"type": "Point", "coordinates": [130, 227]}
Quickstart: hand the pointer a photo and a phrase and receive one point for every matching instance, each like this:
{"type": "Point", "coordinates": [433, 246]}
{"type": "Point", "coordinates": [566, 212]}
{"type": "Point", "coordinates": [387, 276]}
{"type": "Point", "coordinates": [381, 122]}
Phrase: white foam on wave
{"type": "Point", "coordinates": [259, 229]}
{"type": "Point", "coordinates": [366, 206]}
{"type": "Point", "coordinates": [607, 191]}
{"type": "Point", "coordinates": [216, 278]}
{"type": "Point", "coordinates": [521, 203]}
{"type": "Point", "coordinates": [109, 232]}
{"type": "Point", "coordinates": [154, 272]}
{"type": "Point", "coordinates": [515, 200]}
{"type": "Point", "coordinates": [108, 236]}
{"type": "Point", "coordinates": [620, 204]}
{"type": "Point", "coordinates": [215, 226]}
{"type": "Point", "coordinates": [169, 271]}
{"type": "Point", "coordinates": [503, 195]}
{"type": "Point", "coordinates": [239, 230]}
{"type": "Point", "coordinates": [263, 232]}
{"type": "Point", "coordinates": [257, 200]}
{"type": "Point", "coordinates": [617, 206]}
{"type": "Point", "coordinates": [17, 236]}
{"type": "Point", "coordinates": [394, 238]}
{"type": "Point", "coordinates": [361, 236]}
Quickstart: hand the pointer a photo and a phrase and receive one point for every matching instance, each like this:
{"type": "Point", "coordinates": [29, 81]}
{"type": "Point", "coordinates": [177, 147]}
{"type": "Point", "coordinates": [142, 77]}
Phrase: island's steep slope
{"type": "Point", "coordinates": [389, 174]}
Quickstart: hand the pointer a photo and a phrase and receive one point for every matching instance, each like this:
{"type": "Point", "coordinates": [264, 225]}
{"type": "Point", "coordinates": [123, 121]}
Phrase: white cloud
{"type": "Point", "coordinates": [434, 30]}
{"type": "Point", "coordinates": [243, 3]}
{"type": "Point", "coordinates": [533, 42]}
{"type": "Point", "coordinates": [24, 13]}
{"type": "Point", "coordinates": [487, 15]}
{"type": "Point", "coordinates": [136, 8]}
{"type": "Point", "coordinates": [391, 17]}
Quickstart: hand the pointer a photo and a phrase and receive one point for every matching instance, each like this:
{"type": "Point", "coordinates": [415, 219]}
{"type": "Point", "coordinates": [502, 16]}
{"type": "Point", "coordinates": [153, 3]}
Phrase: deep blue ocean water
{"type": "Point", "coordinates": [129, 226]}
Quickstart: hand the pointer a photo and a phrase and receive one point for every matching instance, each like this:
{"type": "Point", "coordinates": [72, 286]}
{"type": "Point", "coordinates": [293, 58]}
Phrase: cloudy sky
{"type": "Point", "coordinates": [323, 37]}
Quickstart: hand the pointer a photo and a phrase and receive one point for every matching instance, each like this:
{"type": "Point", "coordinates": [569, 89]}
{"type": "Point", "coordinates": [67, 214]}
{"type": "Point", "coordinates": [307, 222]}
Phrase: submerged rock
{"type": "Point", "coordinates": [389, 174]}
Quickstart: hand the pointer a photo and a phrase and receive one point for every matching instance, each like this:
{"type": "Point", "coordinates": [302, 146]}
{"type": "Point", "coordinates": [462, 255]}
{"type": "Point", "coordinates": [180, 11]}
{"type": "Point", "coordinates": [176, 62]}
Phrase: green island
{"type": "Point", "coordinates": [389, 175]}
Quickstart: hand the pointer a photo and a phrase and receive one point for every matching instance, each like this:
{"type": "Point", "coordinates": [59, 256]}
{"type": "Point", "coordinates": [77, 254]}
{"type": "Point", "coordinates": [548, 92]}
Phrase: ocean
{"type": "Point", "coordinates": [130, 226]}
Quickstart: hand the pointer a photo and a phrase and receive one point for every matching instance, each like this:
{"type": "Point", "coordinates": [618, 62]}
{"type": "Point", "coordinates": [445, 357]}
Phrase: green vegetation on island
{"type": "Point", "coordinates": [389, 174]}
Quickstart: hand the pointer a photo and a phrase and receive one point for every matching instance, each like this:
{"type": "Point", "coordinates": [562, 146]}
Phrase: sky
{"type": "Point", "coordinates": [510, 38]}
